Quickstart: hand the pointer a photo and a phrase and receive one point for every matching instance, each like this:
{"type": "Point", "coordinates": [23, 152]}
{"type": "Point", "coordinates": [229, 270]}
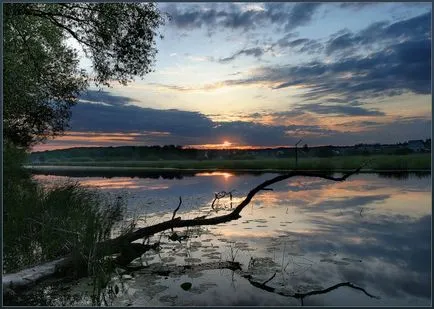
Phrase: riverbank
{"type": "Point", "coordinates": [377, 163]}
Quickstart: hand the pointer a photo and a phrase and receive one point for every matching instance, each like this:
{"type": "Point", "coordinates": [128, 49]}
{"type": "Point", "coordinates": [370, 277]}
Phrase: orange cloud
{"type": "Point", "coordinates": [96, 139]}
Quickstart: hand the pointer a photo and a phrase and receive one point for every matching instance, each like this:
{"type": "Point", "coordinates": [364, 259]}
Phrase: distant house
{"type": "Point", "coordinates": [416, 145]}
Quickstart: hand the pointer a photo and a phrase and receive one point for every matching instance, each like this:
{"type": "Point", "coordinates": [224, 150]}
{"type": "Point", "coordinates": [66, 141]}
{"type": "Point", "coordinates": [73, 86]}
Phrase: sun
{"type": "Point", "coordinates": [226, 143]}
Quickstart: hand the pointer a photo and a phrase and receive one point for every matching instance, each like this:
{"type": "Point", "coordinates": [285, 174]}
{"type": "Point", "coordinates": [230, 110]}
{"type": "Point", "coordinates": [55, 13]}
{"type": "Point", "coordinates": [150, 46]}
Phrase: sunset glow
{"type": "Point", "coordinates": [225, 175]}
{"type": "Point", "coordinates": [282, 72]}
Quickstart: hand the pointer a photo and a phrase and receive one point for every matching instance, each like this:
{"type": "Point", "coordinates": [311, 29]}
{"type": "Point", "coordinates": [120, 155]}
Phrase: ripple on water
{"type": "Point", "coordinates": [168, 259]}
{"type": "Point", "coordinates": [192, 260]}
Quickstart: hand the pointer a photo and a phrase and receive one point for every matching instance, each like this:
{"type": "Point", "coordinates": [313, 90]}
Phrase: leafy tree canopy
{"type": "Point", "coordinates": [42, 79]}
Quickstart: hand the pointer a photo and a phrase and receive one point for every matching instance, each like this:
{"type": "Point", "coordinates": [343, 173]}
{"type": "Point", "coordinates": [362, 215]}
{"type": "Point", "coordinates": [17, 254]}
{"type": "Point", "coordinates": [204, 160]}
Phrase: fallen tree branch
{"type": "Point", "coordinates": [32, 275]}
{"type": "Point", "coordinates": [301, 296]}
{"type": "Point", "coordinates": [177, 208]}
{"type": "Point", "coordinates": [234, 215]}
{"type": "Point", "coordinates": [116, 245]}
{"type": "Point", "coordinates": [334, 287]}
{"type": "Point", "coordinates": [271, 278]}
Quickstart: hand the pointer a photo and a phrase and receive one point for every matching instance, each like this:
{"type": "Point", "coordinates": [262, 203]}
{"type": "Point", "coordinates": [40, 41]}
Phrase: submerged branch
{"type": "Point", "coordinates": [334, 287]}
{"type": "Point", "coordinates": [234, 215]}
{"type": "Point", "coordinates": [123, 242]}
{"type": "Point", "coordinates": [301, 296]}
{"type": "Point", "coordinates": [177, 208]}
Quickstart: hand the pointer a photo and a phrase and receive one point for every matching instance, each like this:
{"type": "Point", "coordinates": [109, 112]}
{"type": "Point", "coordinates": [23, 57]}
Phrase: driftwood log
{"type": "Point", "coordinates": [124, 243]}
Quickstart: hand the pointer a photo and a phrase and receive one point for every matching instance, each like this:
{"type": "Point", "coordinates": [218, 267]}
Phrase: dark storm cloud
{"type": "Point", "coordinates": [232, 16]}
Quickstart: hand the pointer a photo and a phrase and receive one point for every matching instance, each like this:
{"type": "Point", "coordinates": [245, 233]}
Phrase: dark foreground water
{"type": "Point", "coordinates": [371, 230]}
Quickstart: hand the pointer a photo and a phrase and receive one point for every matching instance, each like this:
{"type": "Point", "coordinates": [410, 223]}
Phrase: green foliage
{"type": "Point", "coordinates": [42, 79]}
{"type": "Point", "coordinates": [378, 162]}
{"type": "Point", "coordinates": [41, 224]}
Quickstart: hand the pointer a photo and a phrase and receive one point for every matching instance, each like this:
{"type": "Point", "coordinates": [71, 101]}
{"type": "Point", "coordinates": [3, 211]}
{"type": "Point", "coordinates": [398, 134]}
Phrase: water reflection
{"type": "Point", "coordinates": [370, 230]}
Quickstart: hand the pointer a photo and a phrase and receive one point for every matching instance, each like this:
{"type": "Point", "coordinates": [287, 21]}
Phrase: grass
{"type": "Point", "coordinates": [41, 224]}
{"type": "Point", "coordinates": [376, 163]}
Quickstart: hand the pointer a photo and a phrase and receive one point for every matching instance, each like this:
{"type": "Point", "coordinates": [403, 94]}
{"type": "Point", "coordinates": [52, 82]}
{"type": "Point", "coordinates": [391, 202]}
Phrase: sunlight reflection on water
{"type": "Point", "coordinates": [370, 230]}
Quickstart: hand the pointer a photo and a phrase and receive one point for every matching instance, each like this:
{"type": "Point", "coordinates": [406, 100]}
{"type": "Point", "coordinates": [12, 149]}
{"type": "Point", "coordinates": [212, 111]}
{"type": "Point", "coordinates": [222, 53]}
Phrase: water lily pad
{"type": "Point", "coordinates": [168, 259]}
{"type": "Point", "coordinates": [192, 260]}
{"type": "Point", "coordinates": [196, 244]}
{"type": "Point", "coordinates": [186, 286]}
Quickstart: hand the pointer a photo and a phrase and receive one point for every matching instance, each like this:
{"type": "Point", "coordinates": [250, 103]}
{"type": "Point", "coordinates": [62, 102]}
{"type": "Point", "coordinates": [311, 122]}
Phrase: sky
{"type": "Point", "coordinates": [267, 75]}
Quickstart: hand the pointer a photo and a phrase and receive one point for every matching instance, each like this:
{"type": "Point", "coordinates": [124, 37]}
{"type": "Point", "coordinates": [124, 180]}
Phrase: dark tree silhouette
{"type": "Point", "coordinates": [42, 79]}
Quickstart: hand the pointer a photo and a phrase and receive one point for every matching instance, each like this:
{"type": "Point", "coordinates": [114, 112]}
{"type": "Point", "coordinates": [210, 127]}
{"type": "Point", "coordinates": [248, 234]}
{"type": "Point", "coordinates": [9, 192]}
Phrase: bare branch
{"type": "Point", "coordinates": [177, 208]}
{"type": "Point", "coordinates": [271, 278]}
{"type": "Point", "coordinates": [109, 245]}
{"type": "Point", "coordinates": [334, 287]}
{"type": "Point", "coordinates": [301, 296]}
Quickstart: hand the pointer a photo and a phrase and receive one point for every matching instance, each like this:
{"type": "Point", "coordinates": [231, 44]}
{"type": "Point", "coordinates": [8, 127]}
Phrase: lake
{"type": "Point", "coordinates": [371, 230]}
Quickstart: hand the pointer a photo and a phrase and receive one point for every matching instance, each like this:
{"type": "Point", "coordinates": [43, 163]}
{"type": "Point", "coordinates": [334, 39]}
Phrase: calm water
{"type": "Point", "coordinates": [372, 231]}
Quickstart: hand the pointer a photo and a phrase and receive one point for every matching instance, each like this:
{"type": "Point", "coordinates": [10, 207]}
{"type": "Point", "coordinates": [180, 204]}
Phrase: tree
{"type": "Point", "coordinates": [42, 79]}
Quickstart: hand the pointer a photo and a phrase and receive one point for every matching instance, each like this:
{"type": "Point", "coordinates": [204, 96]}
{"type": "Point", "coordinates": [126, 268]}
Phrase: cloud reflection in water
{"type": "Point", "coordinates": [372, 231]}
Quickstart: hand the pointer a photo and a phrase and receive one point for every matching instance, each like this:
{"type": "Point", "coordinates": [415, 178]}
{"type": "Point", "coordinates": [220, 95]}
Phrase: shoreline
{"type": "Point", "coordinates": [83, 168]}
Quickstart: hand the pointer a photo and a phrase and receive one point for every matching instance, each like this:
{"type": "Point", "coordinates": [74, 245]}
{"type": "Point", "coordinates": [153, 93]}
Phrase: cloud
{"type": "Point", "coordinates": [357, 5]}
{"type": "Point", "coordinates": [256, 52]}
{"type": "Point", "coordinates": [116, 123]}
{"type": "Point", "coordinates": [238, 17]}
{"type": "Point", "coordinates": [346, 110]}
{"type": "Point", "coordinates": [195, 58]}
{"type": "Point", "coordinates": [350, 202]}
{"type": "Point", "coordinates": [179, 127]}
{"type": "Point", "coordinates": [397, 68]}
{"type": "Point", "coordinates": [301, 14]}
{"type": "Point", "coordinates": [416, 28]}
{"type": "Point", "coordinates": [386, 241]}
{"type": "Point", "coordinates": [95, 96]}
{"type": "Point", "coordinates": [302, 45]}
{"type": "Point", "coordinates": [119, 116]}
